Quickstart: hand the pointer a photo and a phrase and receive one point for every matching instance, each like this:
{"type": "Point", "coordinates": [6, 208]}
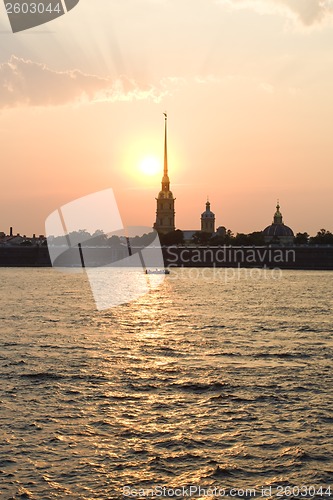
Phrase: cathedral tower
{"type": "Point", "coordinates": [208, 220]}
{"type": "Point", "coordinates": [165, 211]}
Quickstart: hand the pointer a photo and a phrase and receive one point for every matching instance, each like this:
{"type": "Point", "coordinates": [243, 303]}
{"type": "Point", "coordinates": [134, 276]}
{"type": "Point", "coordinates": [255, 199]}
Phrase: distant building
{"type": "Point", "coordinates": [208, 220]}
{"type": "Point", "coordinates": [165, 211]}
{"type": "Point", "coordinates": [207, 226]}
{"type": "Point", "coordinates": [18, 240]}
{"type": "Point", "coordinates": [278, 232]}
{"type": "Point", "coordinates": [13, 240]}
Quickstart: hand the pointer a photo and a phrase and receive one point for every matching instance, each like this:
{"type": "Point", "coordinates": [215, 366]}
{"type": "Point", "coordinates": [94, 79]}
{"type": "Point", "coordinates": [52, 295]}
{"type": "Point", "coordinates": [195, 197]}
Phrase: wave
{"type": "Point", "coordinates": [282, 355]}
{"type": "Point", "coordinates": [222, 471]}
{"type": "Point", "coordinates": [42, 376]}
{"type": "Point", "coordinates": [200, 386]}
{"type": "Point", "coordinates": [209, 327]}
{"type": "Point", "coordinates": [7, 462]}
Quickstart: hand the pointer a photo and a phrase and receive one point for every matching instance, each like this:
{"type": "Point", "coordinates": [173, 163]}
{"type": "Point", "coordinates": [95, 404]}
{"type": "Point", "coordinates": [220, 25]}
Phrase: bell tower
{"type": "Point", "coordinates": [208, 220]}
{"type": "Point", "coordinates": [165, 210]}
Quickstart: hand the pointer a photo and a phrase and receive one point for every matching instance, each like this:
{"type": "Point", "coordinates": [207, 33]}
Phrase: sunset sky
{"type": "Point", "coordinates": [247, 85]}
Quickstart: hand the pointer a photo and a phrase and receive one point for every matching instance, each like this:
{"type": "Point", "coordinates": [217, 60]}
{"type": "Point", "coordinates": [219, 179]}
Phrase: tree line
{"type": "Point", "coordinates": [227, 237]}
{"type": "Point", "coordinates": [223, 237]}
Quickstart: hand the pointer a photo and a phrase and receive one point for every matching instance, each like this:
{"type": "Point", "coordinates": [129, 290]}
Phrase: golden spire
{"type": "Point", "coordinates": [165, 146]}
{"type": "Point", "coordinates": [165, 180]}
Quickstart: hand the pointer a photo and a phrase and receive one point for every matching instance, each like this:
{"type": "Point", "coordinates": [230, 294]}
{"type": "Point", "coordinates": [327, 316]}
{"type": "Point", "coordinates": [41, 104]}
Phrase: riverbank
{"type": "Point", "coordinates": [293, 257]}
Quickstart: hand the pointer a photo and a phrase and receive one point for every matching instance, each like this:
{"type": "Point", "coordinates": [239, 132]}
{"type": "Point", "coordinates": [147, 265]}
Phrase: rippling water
{"type": "Point", "coordinates": [204, 381]}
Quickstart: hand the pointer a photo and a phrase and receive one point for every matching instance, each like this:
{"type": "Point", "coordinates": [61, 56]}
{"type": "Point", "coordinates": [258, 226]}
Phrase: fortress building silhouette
{"type": "Point", "coordinates": [277, 232]}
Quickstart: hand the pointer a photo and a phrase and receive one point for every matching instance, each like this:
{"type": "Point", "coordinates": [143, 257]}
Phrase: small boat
{"type": "Point", "coordinates": [157, 271]}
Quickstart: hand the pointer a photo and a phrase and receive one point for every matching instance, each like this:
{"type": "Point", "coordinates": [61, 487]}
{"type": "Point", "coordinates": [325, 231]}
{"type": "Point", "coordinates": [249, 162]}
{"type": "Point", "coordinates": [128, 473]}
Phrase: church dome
{"type": "Point", "coordinates": [278, 230]}
{"type": "Point", "coordinates": [207, 214]}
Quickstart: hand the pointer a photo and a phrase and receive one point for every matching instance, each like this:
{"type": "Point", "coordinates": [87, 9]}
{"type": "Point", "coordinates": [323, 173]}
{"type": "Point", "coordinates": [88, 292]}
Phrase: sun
{"type": "Point", "coordinates": [150, 165]}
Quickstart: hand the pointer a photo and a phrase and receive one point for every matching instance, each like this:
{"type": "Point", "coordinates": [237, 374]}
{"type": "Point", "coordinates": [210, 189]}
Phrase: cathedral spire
{"type": "Point", "coordinates": [165, 146]}
{"type": "Point", "coordinates": [165, 180]}
{"type": "Point", "coordinates": [165, 210]}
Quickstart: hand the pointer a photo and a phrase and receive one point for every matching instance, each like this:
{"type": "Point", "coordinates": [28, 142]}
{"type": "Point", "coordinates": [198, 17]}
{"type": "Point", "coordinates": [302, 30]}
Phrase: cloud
{"type": "Point", "coordinates": [308, 12]}
{"type": "Point", "coordinates": [27, 83]}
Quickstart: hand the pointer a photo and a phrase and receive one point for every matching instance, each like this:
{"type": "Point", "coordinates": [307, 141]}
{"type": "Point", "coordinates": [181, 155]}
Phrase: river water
{"type": "Point", "coordinates": [211, 380]}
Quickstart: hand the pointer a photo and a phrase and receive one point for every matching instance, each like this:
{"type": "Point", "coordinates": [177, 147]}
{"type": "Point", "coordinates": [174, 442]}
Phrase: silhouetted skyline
{"type": "Point", "coordinates": [247, 87]}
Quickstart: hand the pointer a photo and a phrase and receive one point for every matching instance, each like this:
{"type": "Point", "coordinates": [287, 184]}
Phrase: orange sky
{"type": "Point", "coordinates": [247, 85]}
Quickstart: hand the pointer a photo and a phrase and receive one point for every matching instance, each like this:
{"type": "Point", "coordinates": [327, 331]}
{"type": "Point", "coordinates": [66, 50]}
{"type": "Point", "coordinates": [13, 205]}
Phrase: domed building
{"type": "Point", "coordinates": [208, 220]}
{"type": "Point", "coordinates": [278, 232]}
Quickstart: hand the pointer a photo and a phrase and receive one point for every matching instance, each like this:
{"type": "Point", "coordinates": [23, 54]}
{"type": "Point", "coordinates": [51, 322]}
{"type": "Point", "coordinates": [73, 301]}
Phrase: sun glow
{"type": "Point", "coordinates": [150, 165]}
